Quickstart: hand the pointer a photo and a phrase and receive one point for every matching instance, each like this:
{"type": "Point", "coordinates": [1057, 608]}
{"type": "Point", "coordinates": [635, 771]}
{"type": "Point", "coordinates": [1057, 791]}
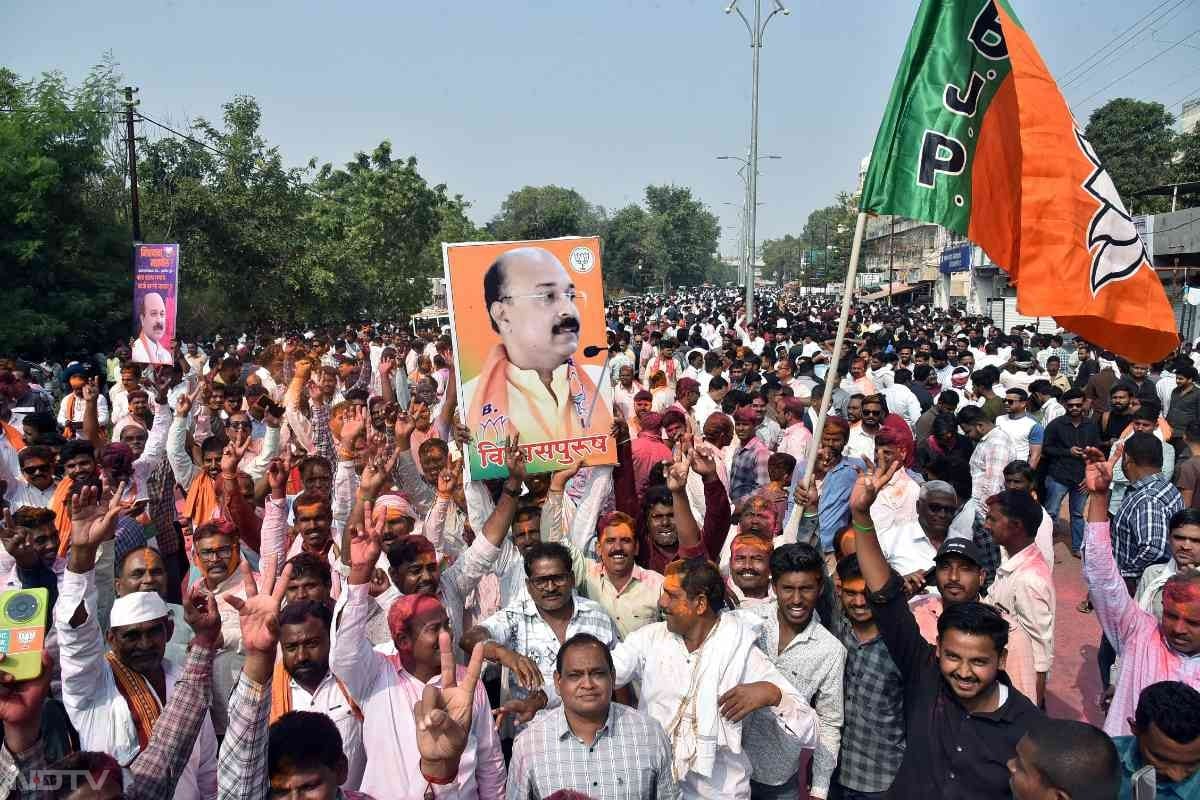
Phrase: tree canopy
{"type": "Point", "coordinates": [1137, 145]}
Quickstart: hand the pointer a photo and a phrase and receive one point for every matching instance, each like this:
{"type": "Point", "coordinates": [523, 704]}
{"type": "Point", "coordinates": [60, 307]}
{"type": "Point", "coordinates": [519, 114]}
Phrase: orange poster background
{"type": "Point", "coordinates": [465, 265]}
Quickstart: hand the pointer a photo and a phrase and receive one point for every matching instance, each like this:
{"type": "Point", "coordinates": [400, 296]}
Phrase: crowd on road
{"type": "Point", "coordinates": [269, 574]}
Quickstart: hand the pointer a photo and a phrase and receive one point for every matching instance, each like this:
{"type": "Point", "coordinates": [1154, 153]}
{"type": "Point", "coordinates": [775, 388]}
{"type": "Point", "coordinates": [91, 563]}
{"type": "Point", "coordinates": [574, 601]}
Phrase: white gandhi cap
{"type": "Point", "coordinates": [136, 608]}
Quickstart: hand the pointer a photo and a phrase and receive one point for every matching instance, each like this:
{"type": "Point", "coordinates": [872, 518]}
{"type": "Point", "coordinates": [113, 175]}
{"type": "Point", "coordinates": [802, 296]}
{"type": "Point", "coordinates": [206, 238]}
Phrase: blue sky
{"type": "Point", "coordinates": [604, 96]}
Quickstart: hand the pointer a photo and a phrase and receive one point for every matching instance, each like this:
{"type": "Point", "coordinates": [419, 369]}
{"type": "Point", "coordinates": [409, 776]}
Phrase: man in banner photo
{"type": "Point", "coordinates": [155, 268]}
{"type": "Point", "coordinates": [523, 315]}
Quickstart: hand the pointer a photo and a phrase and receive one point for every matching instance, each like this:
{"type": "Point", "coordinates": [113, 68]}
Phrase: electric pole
{"type": "Point", "coordinates": [132, 144]}
{"type": "Point", "coordinates": [891, 259]}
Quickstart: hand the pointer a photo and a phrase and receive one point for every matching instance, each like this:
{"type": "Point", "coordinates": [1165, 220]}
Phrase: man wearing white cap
{"type": "Point", "coordinates": [114, 697]}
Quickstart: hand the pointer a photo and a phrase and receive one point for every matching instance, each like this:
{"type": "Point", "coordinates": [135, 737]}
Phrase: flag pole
{"type": "Point", "coordinates": [847, 294]}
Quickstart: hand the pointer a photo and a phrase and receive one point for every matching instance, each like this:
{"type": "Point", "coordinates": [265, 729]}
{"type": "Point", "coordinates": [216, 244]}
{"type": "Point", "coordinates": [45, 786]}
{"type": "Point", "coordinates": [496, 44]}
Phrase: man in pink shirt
{"type": "Point", "coordinates": [388, 687]}
{"type": "Point", "coordinates": [648, 450]}
{"type": "Point", "coordinates": [1150, 651]}
{"type": "Point", "coordinates": [796, 437]}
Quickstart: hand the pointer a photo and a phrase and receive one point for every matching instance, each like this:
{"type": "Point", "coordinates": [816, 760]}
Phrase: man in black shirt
{"type": "Point", "coordinates": [1063, 444]}
{"type": "Point", "coordinates": [963, 719]}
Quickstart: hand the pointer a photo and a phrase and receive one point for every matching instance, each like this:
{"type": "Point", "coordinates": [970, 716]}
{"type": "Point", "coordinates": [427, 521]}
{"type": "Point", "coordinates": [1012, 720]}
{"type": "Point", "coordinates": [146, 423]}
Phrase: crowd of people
{"type": "Point", "coordinates": [270, 576]}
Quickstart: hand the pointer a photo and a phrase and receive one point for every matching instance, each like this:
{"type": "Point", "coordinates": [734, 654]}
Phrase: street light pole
{"type": "Point", "coordinates": [756, 38]}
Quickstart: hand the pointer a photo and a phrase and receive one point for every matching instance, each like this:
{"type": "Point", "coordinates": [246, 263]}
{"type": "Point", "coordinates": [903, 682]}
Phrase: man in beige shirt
{"type": "Point", "coordinates": [1023, 587]}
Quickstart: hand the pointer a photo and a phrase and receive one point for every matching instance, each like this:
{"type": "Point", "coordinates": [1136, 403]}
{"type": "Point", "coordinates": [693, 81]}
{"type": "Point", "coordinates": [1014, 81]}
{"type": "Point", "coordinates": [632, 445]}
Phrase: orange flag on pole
{"type": "Point", "coordinates": [977, 137]}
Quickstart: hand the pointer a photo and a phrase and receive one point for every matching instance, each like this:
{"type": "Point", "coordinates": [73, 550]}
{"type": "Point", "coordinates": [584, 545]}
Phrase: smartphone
{"type": "Point", "coordinates": [23, 615]}
{"type": "Point", "coordinates": [1145, 783]}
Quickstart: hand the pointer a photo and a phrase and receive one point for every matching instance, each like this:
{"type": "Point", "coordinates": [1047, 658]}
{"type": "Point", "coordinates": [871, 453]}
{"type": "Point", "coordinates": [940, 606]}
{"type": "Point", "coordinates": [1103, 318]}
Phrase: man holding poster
{"type": "Point", "coordinates": [532, 379]}
{"type": "Point", "coordinates": [154, 302]}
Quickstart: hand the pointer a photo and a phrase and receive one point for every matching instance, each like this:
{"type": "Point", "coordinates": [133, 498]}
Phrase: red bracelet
{"type": "Point", "coordinates": [439, 781]}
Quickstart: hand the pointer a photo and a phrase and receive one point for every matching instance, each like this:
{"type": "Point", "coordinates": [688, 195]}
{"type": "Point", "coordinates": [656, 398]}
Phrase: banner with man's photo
{"type": "Point", "coordinates": [155, 298]}
{"type": "Point", "coordinates": [527, 319]}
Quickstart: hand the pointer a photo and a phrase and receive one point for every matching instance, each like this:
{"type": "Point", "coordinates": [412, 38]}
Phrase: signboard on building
{"type": "Point", "coordinates": [956, 258]}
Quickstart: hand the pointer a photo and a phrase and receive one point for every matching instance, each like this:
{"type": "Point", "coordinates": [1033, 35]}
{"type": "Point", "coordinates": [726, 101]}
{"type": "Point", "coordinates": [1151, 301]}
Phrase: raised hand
{"type": "Point", "coordinates": [1098, 474]}
{"type": "Point", "coordinates": [90, 391]}
{"type": "Point", "coordinates": [353, 425]}
{"type": "Point", "coordinates": [231, 457]}
{"type": "Point", "coordinates": [448, 478]}
{"type": "Point", "coordinates": [365, 545]}
{"type": "Point", "coordinates": [405, 425]}
{"type": "Point", "coordinates": [277, 478]}
{"type": "Point", "coordinates": [560, 479]}
{"type": "Point", "coordinates": [703, 460]}
{"type": "Point", "coordinates": [868, 484]}
{"type": "Point", "coordinates": [514, 458]}
{"type": "Point", "coordinates": [443, 715]}
{"type": "Point", "coordinates": [200, 612]}
{"type": "Point", "coordinates": [677, 469]}
{"type": "Point", "coordinates": [386, 365]}
{"type": "Point", "coordinates": [18, 542]}
{"type": "Point", "coordinates": [91, 523]}
{"type": "Point", "coordinates": [21, 705]}
{"type": "Point", "coordinates": [461, 434]}
{"type": "Point", "coordinates": [183, 406]}
{"type": "Point", "coordinates": [258, 613]}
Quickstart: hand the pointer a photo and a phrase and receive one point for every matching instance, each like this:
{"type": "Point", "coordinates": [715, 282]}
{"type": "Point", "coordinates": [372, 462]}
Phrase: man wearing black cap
{"type": "Point", "coordinates": [963, 717]}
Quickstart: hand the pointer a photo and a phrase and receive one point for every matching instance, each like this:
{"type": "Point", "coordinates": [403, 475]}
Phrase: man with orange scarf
{"type": "Point", "coordinates": [71, 410]}
{"type": "Point", "coordinates": [115, 698]}
{"type": "Point", "coordinates": [529, 383]}
{"type": "Point", "coordinates": [302, 680]}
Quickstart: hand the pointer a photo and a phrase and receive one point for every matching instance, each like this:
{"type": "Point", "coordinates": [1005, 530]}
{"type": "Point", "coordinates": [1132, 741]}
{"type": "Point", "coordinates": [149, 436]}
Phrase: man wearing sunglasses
{"type": "Point", "coordinates": [37, 485]}
{"type": "Point", "coordinates": [1063, 445]}
{"type": "Point", "coordinates": [529, 381]}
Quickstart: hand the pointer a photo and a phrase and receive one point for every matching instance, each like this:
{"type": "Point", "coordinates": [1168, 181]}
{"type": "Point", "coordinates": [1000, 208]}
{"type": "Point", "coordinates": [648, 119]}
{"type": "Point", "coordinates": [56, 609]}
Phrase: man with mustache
{"type": "Point", "coordinates": [534, 626]}
{"type": "Point", "coordinates": [1184, 545]}
{"type": "Point", "coordinates": [963, 717]}
{"type": "Point", "coordinates": [116, 698]}
{"type": "Point", "coordinates": [302, 680]}
{"type": "Point", "coordinates": [152, 315]}
{"type": "Point", "coordinates": [529, 383]}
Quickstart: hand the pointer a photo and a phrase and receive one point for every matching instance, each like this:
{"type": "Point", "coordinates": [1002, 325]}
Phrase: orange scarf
{"type": "Point", "coordinates": [281, 694]}
{"type": "Point", "coordinates": [201, 500]}
{"type": "Point", "coordinates": [143, 702]}
{"type": "Point", "coordinates": [60, 505]}
{"type": "Point", "coordinates": [15, 440]}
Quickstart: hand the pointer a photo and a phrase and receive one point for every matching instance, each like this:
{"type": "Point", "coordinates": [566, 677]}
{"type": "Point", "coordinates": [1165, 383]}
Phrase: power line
{"type": "Point", "coordinates": [1154, 57]}
{"type": "Point", "coordinates": [1074, 74]}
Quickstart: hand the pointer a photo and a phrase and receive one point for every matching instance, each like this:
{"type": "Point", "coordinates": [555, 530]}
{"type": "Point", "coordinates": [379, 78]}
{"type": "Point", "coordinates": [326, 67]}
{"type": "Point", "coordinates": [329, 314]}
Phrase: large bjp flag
{"type": "Point", "coordinates": [977, 137]}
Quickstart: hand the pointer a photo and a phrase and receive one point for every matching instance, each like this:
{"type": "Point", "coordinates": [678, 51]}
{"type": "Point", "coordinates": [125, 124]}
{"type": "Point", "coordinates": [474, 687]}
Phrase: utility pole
{"type": "Point", "coordinates": [756, 39]}
{"type": "Point", "coordinates": [132, 144]}
{"type": "Point", "coordinates": [891, 258]}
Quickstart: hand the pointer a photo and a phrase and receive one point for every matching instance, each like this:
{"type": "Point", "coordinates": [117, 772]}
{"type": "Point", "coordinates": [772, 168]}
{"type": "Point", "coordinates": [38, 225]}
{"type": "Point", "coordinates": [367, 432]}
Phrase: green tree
{"type": "Point", "coordinates": [632, 253]}
{"type": "Point", "coordinates": [238, 215]}
{"type": "Point", "coordinates": [1136, 144]}
{"type": "Point", "coordinates": [689, 234]}
{"type": "Point", "coordinates": [544, 212]}
{"type": "Point", "coordinates": [783, 258]}
{"type": "Point", "coordinates": [829, 231]}
{"type": "Point", "coordinates": [1188, 166]}
{"type": "Point", "coordinates": [64, 247]}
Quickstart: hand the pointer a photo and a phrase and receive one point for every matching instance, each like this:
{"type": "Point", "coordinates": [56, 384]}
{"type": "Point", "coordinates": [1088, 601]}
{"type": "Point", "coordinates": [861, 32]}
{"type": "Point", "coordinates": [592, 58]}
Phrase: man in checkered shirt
{"type": "Point", "coordinates": [590, 744]}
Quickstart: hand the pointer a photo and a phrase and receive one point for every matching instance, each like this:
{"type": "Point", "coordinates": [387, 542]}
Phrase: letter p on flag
{"type": "Point", "coordinates": [978, 138]}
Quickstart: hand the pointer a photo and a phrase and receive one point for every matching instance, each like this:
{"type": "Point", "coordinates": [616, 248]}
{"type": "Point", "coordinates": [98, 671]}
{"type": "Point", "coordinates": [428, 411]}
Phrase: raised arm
{"type": "Point", "coordinates": [177, 454]}
{"type": "Point", "coordinates": [1117, 612]}
{"type": "Point", "coordinates": [157, 769]}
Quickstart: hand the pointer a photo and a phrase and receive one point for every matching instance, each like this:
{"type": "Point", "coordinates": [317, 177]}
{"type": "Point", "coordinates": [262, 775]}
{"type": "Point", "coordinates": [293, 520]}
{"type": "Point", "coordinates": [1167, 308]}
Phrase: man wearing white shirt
{"type": "Point", "coordinates": [750, 337]}
{"type": "Point", "coordinates": [36, 484]}
{"type": "Point", "coordinates": [710, 401]}
{"type": "Point", "coordinates": [1051, 409]}
{"type": "Point", "coordinates": [1166, 383]}
{"type": "Point", "coordinates": [1025, 431]}
{"type": "Point", "coordinates": [901, 400]}
{"type": "Point", "coordinates": [97, 686]}
{"type": "Point", "coordinates": [701, 674]}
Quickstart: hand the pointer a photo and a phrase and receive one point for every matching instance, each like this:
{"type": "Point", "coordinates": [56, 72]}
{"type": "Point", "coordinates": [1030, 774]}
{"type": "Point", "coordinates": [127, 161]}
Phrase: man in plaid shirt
{"type": "Point", "coordinates": [873, 727]}
{"type": "Point", "coordinates": [749, 470]}
{"type": "Point", "coordinates": [1140, 529]}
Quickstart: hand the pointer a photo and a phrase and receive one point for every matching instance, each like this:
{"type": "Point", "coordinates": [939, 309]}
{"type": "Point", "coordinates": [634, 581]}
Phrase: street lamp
{"type": "Point", "coordinates": [756, 37]}
{"type": "Point", "coordinates": [746, 265]}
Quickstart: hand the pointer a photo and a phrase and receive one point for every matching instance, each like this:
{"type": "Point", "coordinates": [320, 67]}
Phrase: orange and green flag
{"type": "Point", "coordinates": [978, 138]}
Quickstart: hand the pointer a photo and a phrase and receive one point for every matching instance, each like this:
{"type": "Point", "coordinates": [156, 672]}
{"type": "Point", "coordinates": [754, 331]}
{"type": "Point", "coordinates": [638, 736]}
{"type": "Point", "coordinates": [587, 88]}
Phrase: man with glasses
{"type": "Point", "coordinates": [38, 484]}
{"type": "Point", "coordinates": [1063, 446]}
{"type": "Point", "coordinates": [1025, 431]}
{"type": "Point", "coordinates": [535, 625]}
{"type": "Point", "coordinates": [529, 380]}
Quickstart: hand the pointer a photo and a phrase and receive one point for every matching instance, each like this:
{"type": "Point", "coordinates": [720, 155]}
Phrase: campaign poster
{"type": "Point", "coordinates": [527, 319]}
{"type": "Point", "coordinates": [155, 295]}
